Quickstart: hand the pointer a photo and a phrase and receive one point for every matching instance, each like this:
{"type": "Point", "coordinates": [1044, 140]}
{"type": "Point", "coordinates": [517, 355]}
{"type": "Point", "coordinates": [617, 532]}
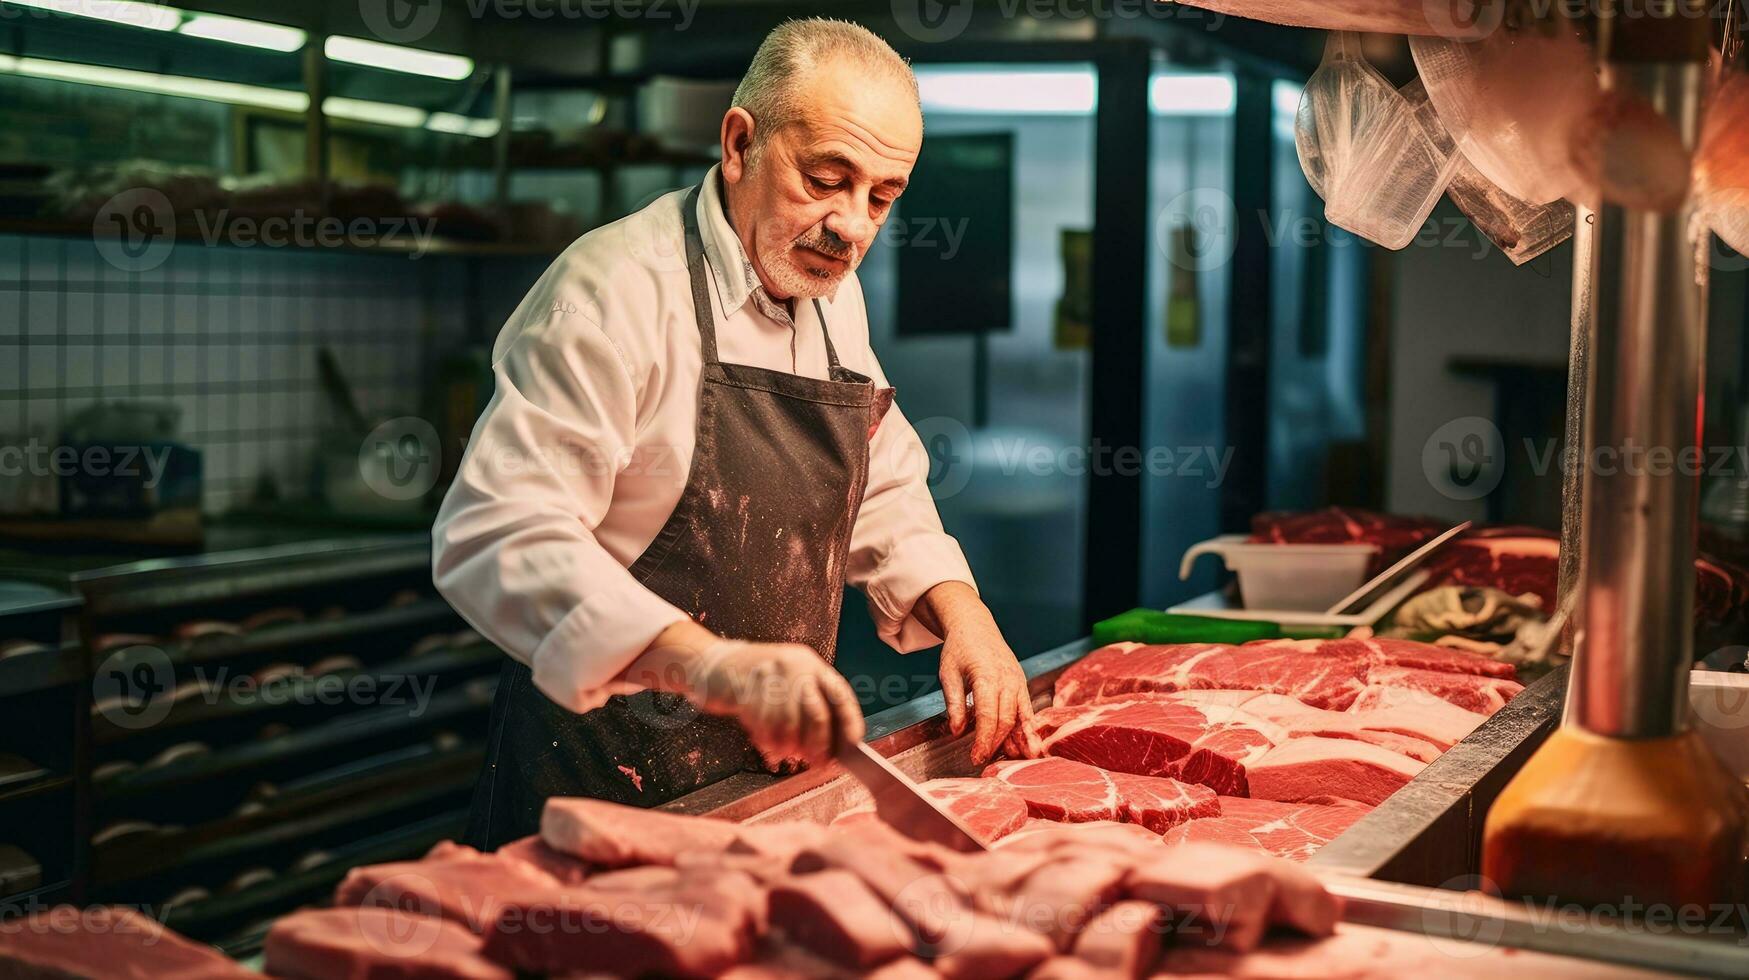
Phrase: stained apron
{"type": "Point", "coordinates": [755, 550]}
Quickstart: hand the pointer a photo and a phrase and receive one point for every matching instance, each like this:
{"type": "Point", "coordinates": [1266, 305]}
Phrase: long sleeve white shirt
{"type": "Point", "coordinates": [583, 452]}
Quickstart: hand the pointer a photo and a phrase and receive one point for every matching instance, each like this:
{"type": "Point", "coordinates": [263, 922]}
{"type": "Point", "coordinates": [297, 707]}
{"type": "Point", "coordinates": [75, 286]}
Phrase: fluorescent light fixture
{"type": "Point", "coordinates": [1286, 97]}
{"type": "Point", "coordinates": [449, 122]}
{"type": "Point", "coordinates": [1059, 92]}
{"type": "Point", "coordinates": [1191, 94]}
{"type": "Point", "coordinates": [249, 33]}
{"type": "Point", "coordinates": [258, 96]}
{"type": "Point", "coordinates": [380, 113]}
{"type": "Point", "coordinates": [130, 13]}
{"type": "Point", "coordinates": [393, 57]}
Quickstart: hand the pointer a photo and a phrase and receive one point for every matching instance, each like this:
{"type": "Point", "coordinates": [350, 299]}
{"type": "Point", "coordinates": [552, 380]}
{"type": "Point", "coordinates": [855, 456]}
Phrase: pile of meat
{"type": "Point", "coordinates": [1515, 559]}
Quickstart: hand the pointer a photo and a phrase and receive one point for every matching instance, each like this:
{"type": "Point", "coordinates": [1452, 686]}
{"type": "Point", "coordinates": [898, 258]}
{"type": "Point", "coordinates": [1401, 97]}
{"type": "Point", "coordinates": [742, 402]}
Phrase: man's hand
{"type": "Point", "coordinates": [793, 704]}
{"type": "Point", "coordinates": [975, 659]}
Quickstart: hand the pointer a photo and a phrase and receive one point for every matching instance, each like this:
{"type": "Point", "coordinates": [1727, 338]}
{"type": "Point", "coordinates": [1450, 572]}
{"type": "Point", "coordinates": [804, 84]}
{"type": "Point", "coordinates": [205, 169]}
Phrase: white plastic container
{"type": "Point", "coordinates": [1289, 577]}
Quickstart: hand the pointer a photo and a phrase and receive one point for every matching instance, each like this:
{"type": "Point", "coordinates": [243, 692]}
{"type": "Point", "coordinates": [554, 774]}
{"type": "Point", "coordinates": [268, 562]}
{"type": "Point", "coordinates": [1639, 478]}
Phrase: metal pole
{"type": "Point", "coordinates": [315, 120]}
{"type": "Point", "coordinates": [501, 144]}
{"type": "Point", "coordinates": [1635, 650]}
{"type": "Point", "coordinates": [1576, 432]}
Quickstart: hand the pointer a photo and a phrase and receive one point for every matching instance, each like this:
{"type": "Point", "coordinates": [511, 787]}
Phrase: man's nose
{"type": "Point", "coordinates": [851, 225]}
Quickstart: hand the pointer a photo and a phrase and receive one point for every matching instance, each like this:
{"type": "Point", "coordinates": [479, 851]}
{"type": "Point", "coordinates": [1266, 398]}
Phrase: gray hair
{"type": "Point", "coordinates": [770, 89]}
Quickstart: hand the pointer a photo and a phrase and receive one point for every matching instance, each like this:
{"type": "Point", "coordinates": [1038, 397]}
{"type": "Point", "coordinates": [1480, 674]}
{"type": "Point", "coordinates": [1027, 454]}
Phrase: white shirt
{"type": "Point", "coordinates": [585, 448]}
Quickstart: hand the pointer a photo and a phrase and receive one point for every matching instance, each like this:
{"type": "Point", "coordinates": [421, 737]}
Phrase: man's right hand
{"type": "Point", "coordinates": [792, 703]}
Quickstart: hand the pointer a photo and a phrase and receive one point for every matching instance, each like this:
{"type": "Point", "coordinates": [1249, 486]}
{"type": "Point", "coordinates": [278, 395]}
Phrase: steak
{"type": "Point", "coordinates": [832, 914]}
{"type": "Point", "coordinates": [930, 902]}
{"type": "Point", "coordinates": [1224, 896]}
{"type": "Point", "coordinates": [535, 853]}
{"type": "Point", "coordinates": [1285, 717]}
{"type": "Point", "coordinates": [1110, 835]}
{"type": "Point", "coordinates": [988, 808]}
{"type": "Point", "coordinates": [1302, 768]}
{"type": "Point", "coordinates": [67, 941]}
{"type": "Point", "coordinates": [1062, 789]}
{"type": "Point", "coordinates": [1410, 712]}
{"type": "Point", "coordinates": [456, 883]}
{"type": "Point", "coordinates": [1206, 744]}
{"type": "Point", "coordinates": [374, 943]}
{"type": "Point", "coordinates": [615, 836]}
{"type": "Point", "coordinates": [1123, 941]}
{"type": "Point", "coordinates": [1483, 695]}
{"type": "Point", "coordinates": [1321, 673]}
{"type": "Point", "coordinates": [1289, 830]}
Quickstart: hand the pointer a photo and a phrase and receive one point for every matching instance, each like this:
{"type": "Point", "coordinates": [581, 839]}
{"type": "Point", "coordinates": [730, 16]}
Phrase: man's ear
{"type": "Point", "coordinates": [737, 141]}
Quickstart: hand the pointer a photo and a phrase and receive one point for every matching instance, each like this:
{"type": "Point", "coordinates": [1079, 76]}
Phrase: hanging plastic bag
{"type": "Point", "coordinates": [1511, 101]}
{"type": "Point", "coordinates": [1342, 99]}
{"type": "Point", "coordinates": [1522, 231]}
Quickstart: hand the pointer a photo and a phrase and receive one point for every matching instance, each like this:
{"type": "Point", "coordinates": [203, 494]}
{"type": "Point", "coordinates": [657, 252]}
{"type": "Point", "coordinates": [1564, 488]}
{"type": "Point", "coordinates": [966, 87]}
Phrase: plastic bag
{"type": "Point", "coordinates": [1522, 231]}
{"type": "Point", "coordinates": [1344, 97]}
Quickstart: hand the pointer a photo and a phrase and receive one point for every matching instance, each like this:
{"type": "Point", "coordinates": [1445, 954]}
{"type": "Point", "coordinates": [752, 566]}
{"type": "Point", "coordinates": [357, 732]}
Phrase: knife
{"type": "Point", "coordinates": [902, 805]}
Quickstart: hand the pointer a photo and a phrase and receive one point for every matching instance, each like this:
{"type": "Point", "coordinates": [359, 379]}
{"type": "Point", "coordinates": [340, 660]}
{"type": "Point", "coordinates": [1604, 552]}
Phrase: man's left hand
{"type": "Point", "coordinates": [976, 660]}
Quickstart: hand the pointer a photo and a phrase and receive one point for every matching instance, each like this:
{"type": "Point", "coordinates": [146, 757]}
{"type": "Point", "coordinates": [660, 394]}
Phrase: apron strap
{"type": "Point", "coordinates": [701, 296]}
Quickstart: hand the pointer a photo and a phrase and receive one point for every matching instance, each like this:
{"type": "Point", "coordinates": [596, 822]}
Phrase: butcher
{"type": "Point", "coordinates": [691, 449]}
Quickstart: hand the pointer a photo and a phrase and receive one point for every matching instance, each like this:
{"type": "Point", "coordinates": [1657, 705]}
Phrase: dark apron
{"type": "Point", "coordinates": [755, 550]}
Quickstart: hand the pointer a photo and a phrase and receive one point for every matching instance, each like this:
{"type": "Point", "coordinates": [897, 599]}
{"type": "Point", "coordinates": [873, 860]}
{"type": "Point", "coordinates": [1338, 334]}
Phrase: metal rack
{"type": "Point", "coordinates": [245, 798]}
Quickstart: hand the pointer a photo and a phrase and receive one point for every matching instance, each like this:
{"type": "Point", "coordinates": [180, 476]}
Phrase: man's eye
{"type": "Point", "coordinates": [822, 184]}
{"type": "Point", "coordinates": [881, 203]}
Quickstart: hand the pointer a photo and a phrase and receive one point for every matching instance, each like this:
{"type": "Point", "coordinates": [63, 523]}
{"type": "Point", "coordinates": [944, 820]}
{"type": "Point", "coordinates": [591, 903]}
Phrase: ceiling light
{"type": "Point", "coordinates": [449, 122]}
{"type": "Point", "coordinates": [131, 13]}
{"type": "Point", "coordinates": [259, 96]}
{"type": "Point", "coordinates": [250, 33]}
{"type": "Point", "coordinates": [1191, 94]}
{"type": "Point", "coordinates": [393, 57]}
{"type": "Point", "coordinates": [381, 113]}
{"type": "Point", "coordinates": [1008, 92]}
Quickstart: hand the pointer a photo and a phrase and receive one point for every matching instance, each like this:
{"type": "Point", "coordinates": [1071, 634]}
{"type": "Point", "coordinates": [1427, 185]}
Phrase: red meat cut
{"type": "Point", "coordinates": [1405, 732]}
{"type": "Point", "coordinates": [1062, 789]}
{"type": "Point", "coordinates": [1483, 695]}
{"type": "Point", "coordinates": [454, 882]}
{"type": "Point", "coordinates": [1045, 835]}
{"type": "Point", "coordinates": [1289, 830]}
{"type": "Point", "coordinates": [67, 941]}
{"type": "Point", "coordinates": [1302, 768]}
{"type": "Point", "coordinates": [1228, 897]}
{"type": "Point", "coordinates": [1418, 713]}
{"type": "Point", "coordinates": [832, 914]}
{"type": "Point", "coordinates": [988, 808]}
{"type": "Point", "coordinates": [1206, 744]}
{"type": "Point", "coordinates": [379, 943]}
{"type": "Point", "coordinates": [614, 836]}
{"type": "Point", "coordinates": [1321, 673]}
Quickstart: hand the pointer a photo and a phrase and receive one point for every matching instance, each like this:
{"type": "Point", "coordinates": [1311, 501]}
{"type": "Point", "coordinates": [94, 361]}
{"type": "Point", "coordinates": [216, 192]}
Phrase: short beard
{"type": "Point", "coordinates": [790, 277]}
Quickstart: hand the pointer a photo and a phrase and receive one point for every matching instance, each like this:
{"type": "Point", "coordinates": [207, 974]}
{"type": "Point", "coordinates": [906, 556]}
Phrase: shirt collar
{"type": "Point", "coordinates": [731, 270]}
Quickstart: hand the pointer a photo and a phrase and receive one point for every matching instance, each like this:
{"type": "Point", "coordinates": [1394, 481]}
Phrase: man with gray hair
{"type": "Point", "coordinates": [691, 449]}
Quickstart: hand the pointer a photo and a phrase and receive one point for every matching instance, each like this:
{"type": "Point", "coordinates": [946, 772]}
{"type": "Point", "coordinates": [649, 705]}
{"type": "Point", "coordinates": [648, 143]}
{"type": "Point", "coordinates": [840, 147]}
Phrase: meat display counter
{"type": "Point", "coordinates": [1408, 865]}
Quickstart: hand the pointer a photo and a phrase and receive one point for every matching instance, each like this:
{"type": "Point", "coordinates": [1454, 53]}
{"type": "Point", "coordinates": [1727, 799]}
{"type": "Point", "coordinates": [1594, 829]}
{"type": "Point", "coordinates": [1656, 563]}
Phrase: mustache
{"type": "Point", "coordinates": [826, 243]}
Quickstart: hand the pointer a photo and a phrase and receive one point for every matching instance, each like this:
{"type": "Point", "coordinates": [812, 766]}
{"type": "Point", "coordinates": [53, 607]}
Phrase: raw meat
{"type": "Point", "coordinates": [454, 882]}
{"type": "Point", "coordinates": [989, 809]}
{"type": "Point", "coordinates": [931, 903]}
{"type": "Point", "coordinates": [1061, 894]}
{"type": "Point", "coordinates": [1483, 695]}
{"type": "Point", "coordinates": [1206, 744]}
{"type": "Point", "coordinates": [1062, 789]}
{"type": "Point", "coordinates": [1446, 18]}
{"type": "Point", "coordinates": [1282, 716]}
{"type": "Point", "coordinates": [987, 947]}
{"type": "Point", "coordinates": [1321, 673]}
{"type": "Point", "coordinates": [834, 915]}
{"type": "Point", "coordinates": [1123, 941]}
{"type": "Point", "coordinates": [535, 853]}
{"type": "Point", "coordinates": [1301, 768]}
{"type": "Point", "coordinates": [102, 941]}
{"type": "Point", "coordinates": [1224, 896]}
{"type": "Point", "coordinates": [1289, 830]}
{"type": "Point", "coordinates": [1044, 835]}
{"type": "Point", "coordinates": [1417, 713]}
{"type": "Point", "coordinates": [374, 944]}
{"type": "Point", "coordinates": [1721, 171]}
{"type": "Point", "coordinates": [615, 836]}
{"type": "Point", "coordinates": [698, 927]}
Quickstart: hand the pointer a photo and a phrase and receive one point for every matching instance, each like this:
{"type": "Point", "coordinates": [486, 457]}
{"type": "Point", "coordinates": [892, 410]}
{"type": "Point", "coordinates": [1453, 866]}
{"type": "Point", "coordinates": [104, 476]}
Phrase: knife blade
{"type": "Point", "coordinates": [904, 806]}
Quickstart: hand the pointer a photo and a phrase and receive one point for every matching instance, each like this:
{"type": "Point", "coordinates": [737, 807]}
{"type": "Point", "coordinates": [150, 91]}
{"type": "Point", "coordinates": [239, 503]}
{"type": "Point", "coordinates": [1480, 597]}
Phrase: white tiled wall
{"type": "Point", "coordinates": [230, 336]}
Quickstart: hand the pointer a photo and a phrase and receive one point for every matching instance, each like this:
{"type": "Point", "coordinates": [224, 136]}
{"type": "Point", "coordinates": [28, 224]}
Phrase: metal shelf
{"type": "Point", "coordinates": [398, 247]}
